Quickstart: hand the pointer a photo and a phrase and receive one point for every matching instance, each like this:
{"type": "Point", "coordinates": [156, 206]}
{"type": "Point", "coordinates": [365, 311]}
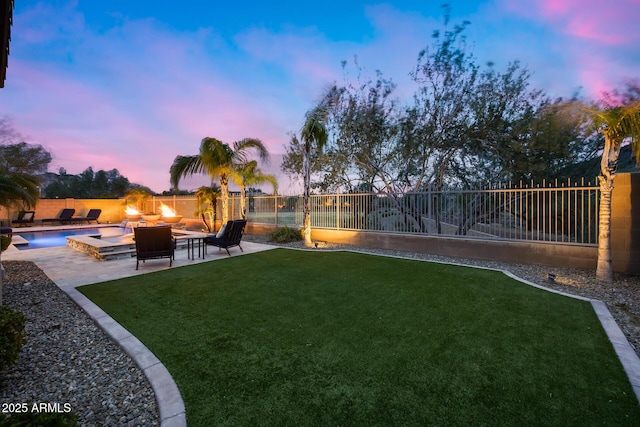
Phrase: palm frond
{"type": "Point", "coordinates": [18, 188]}
{"type": "Point", "coordinates": [241, 150]}
{"type": "Point", "coordinates": [184, 166]}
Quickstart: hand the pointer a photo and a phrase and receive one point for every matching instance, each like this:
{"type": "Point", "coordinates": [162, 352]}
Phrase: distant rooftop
{"type": "Point", "coordinates": [6, 19]}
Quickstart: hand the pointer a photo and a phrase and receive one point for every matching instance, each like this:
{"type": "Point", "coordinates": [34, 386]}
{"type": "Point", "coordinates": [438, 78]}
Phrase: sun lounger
{"type": "Point", "coordinates": [92, 215]}
{"type": "Point", "coordinates": [65, 216]}
{"type": "Point", "coordinates": [24, 217]}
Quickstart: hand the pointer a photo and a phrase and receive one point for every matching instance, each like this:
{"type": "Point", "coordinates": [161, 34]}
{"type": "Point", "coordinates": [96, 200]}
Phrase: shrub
{"type": "Point", "coordinates": [285, 235]}
{"type": "Point", "coordinates": [5, 241]}
{"type": "Point", "coordinates": [12, 336]}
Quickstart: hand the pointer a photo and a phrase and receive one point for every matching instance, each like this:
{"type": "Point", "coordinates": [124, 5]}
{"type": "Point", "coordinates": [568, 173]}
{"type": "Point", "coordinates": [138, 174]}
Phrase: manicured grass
{"type": "Point", "coordinates": [335, 338]}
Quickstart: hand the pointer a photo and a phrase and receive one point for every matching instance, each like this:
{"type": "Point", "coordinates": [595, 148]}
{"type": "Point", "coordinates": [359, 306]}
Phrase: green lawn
{"type": "Point", "coordinates": [318, 338]}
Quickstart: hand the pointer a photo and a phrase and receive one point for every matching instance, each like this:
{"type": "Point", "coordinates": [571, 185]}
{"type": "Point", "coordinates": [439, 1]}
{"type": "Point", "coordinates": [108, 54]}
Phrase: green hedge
{"type": "Point", "coordinates": [286, 235]}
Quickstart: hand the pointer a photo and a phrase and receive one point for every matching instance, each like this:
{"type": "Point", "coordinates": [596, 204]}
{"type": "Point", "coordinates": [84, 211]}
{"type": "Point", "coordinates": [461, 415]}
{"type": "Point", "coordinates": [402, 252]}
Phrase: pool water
{"type": "Point", "coordinates": [49, 239]}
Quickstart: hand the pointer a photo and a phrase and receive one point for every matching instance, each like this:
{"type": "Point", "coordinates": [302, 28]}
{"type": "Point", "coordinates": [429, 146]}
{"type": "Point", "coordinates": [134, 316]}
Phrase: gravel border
{"type": "Point", "coordinates": [69, 359]}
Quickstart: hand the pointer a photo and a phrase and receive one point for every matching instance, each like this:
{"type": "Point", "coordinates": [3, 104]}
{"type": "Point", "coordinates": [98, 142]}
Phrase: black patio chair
{"type": "Point", "coordinates": [154, 243]}
{"type": "Point", "coordinates": [230, 237]}
{"type": "Point", "coordinates": [65, 216]}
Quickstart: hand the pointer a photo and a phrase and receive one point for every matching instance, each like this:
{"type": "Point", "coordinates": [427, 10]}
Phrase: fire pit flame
{"type": "Point", "coordinates": [168, 214]}
{"type": "Point", "coordinates": [166, 211]}
{"type": "Point", "coordinates": [132, 213]}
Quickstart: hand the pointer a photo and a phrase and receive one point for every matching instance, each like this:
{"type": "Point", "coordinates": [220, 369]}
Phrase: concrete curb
{"type": "Point", "coordinates": [626, 354]}
{"type": "Point", "coordinates": [168, 397]}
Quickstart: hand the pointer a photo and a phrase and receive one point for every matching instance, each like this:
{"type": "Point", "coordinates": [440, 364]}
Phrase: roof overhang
{"type": "Point", "coordinates": [6, 19]}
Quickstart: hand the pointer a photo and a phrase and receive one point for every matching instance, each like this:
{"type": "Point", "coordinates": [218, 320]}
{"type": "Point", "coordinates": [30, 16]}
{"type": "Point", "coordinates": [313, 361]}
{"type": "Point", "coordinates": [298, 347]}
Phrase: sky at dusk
{"type": "Point", "coordinates": [129, 84]}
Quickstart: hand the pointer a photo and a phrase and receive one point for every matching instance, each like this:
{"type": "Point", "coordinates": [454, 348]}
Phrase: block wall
{"type": "Point", "coordinates": [625, 223]}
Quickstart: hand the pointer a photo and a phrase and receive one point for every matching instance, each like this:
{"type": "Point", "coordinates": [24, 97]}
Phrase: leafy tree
{"type": "Point", "coordinates": [8, 133]}
{"type": "Point", "coordinates": [617, 118]}
{"type": "Point", "coordinates": [364, 145]}
{"type": "Point", "coordinates": [20, 163]}
{"type": "Point", "coordinates": [436, 127]}
{"type": "Point", "coordinates": [88, 185]}
{"type": "Point", "coordinates": [24, 158]}
{"type": "Point", "coordinates": [469, 123]}
{"type": "Point", "coordinates": [218, 160]}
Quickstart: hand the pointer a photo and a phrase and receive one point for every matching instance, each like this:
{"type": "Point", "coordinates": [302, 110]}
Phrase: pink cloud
{"type": "Point", "coordinates": [609, 23]}
{"type": "Point", "coordinates": [585, 43]}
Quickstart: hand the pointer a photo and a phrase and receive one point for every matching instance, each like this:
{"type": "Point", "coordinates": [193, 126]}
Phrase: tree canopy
{"type": "Point", "coordinates": [20, 165]}
{"type": "Point", "coordinates": [88, 185]}
{"type": "Point", "coordinates": [466, 124]}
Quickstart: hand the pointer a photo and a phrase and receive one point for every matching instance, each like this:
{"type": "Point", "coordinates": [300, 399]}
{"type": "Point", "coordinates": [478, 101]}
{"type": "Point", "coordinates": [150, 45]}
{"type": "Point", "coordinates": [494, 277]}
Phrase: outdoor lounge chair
{"type": "Point", "coordinates": [153, 243]}
{"type": "Point", "coordinates": [230, 237]}
{"type": "Point", "coordinates": [65, 216]}
{"type": "Point", "coordinates": [92, 215]}
{"type": "Point", "coordinates": [24, 217]}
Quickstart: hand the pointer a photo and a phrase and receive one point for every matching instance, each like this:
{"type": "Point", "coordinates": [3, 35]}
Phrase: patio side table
{"type": "Point", "coordinates": [191, 244]}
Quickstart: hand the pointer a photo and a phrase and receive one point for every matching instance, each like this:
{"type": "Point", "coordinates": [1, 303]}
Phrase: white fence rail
{"type": "Point", "coordinates": [566, 213]}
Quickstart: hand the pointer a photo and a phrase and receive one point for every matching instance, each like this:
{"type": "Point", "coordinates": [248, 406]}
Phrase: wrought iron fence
{"type": "Point", "coordinates": [549, 212]}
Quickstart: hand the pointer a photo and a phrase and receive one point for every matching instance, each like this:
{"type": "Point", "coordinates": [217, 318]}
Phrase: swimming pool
{"type": "Point", "coordinates": [49, 239]}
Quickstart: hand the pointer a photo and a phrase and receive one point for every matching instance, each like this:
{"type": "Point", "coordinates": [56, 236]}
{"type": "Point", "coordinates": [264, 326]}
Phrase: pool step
{"type": "Point", "coordinates": [106, 251]}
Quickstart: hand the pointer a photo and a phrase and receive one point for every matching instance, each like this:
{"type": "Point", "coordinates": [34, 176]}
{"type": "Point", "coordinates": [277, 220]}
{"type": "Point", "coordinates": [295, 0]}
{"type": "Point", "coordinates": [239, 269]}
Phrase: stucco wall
{"type": "Point", "coordinates": [508, 251]}
{"type": "Point", "coordinates": [112, 209]}
{"type": "Point", "coordinates": [576, 256]}
{"type": "Point", "coordinates": [625, 223]}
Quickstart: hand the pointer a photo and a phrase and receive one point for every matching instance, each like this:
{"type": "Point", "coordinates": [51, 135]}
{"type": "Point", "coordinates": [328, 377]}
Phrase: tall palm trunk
{"type": "Point", "coordinates": [243, 201]}
{"type": "Point", "coordinates": [224, 195]}
{"type": "Point", "coordinates": [608, 167]}
{"type": "Point", "coordinates": [306, 199]}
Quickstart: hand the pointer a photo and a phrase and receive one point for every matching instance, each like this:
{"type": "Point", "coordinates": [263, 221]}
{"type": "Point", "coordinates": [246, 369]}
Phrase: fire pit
{"type": "Point", "coordinates": [171, 219]}
{"type": "Point", "coordinates": [168, 215]}
{"type": "Point", "coordinates": [132, 213]}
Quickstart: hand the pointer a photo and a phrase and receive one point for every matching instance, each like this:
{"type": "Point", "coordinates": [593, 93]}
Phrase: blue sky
{"type": "Point", "coordinates": [130, 84]}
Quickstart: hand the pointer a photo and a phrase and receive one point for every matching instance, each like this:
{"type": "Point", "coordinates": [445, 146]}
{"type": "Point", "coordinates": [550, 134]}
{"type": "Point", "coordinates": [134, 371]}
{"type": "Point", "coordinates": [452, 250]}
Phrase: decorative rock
{"type": "Point", "coordinates": [68, 359]}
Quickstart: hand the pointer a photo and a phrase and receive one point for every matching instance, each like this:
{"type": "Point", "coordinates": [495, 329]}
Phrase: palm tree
{"type": "Point", "coordinates": [249, 174]}
{"type": "Point", "coordinates": [18, 189]}
{"type": "Point", "coordinates": [616, 123]}
{"type": "Point", "coordinates": [314, 134]}
{"type": "Point", "coordinates": [218, 160]}
{"type": "Point", "coordinates": [207, 198]}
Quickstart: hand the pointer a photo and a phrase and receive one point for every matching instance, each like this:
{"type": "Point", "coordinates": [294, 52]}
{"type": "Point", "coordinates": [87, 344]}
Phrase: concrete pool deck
{"type": "Point", "coordinates": [69, 269]}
